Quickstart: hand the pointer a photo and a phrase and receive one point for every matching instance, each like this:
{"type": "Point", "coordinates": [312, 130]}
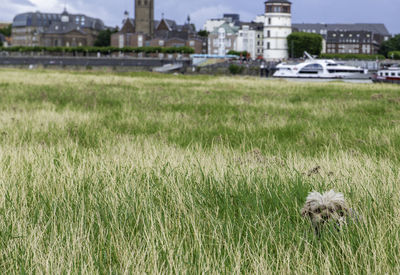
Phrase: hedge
{"type": "Point", "coordinates": [394, 55]}
{"type": "Point", "coordinates": [242, 53]}
{"type": "Point", "coordinates": [352, 56]}
{"type": "Point", "coordinates": [103, 50]}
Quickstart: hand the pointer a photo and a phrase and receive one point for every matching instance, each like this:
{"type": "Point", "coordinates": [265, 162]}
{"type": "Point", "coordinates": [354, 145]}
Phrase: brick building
{"type": "Point", "coordinates": [45, 29]}
{"type": "Point", "coordinates": [144, 31]}
{"type": "Point", "coordinates": [165, 34]}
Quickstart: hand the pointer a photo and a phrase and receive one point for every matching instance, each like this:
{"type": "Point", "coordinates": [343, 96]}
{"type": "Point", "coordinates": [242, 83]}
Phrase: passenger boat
{"type": "Point", "coordinates": [389, 75]}
{"type": "Point", "coordinates": [320, 68]}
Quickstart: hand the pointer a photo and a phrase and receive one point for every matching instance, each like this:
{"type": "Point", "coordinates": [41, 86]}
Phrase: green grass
{"type": "Point", "coordinates": [145, 173]}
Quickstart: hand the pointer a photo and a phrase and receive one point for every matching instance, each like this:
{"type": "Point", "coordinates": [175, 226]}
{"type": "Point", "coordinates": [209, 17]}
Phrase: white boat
{"type": "Point", "coordinates": [389, 75]}
{"type": "Point", "coordinates": [320, 68]}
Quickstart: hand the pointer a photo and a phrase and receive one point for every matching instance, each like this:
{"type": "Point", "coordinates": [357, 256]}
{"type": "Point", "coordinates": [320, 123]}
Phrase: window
{"type": "Point", "coordinates": [269, 21]}
{"type": "Point", "coordinates": [286, 9]}
{"type": "Point", "coordinates": [393, 74]}
{"type": "Point", "coordinates": [312, 69]}
{"type": "Point", "coordinates": [268, 33]}
{"type": "Point", "coordinates": [268, 45]}
{"type": "Point", "coordinates": [191, 43]}
{"type": "Point", "coordinates": [161, 43]}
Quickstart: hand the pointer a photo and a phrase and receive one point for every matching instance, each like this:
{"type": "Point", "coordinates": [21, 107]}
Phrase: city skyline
{"type": "Point", "coordinates": [304, 11]}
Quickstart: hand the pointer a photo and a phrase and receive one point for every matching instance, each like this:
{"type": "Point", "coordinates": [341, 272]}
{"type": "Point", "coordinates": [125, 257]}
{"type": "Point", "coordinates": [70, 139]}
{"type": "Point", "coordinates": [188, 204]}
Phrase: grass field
{"type": "Point", "coordinates": [141, 173]}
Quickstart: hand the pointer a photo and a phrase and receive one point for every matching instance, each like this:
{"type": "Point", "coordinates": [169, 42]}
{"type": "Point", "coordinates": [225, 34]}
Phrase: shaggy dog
{"type": "Point", "coordinates": [325, 208]}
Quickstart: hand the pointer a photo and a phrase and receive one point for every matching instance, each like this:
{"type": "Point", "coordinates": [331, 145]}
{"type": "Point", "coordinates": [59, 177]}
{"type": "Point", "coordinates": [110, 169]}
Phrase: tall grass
{"type": "Point", "coordinates": [143, 173]}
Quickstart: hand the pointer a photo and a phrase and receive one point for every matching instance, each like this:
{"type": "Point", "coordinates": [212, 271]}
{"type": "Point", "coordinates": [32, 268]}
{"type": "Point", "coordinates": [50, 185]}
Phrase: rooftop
{"type": "Point", "coordinates": [38, 19]}
{"type": "Point", "coordinates": [370, 27]}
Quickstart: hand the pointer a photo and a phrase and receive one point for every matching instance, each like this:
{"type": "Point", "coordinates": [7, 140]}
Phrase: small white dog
{"type": "Point", "coordinates": [325, 208]}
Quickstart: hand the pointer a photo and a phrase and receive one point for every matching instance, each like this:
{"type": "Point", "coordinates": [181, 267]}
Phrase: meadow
{"type": "Point", "coordinates": [143, 173]}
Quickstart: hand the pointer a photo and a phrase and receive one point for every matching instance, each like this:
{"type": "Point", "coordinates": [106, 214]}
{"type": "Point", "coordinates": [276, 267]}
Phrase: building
{"type": "Point", "coordinates": [229, 33]}
{"type": "Point", "coordinates": [348, 38]}
{"type": "Point", "coordinates": [223, 39]}
{"type": "Point", "coordinates": [277, 27]}
{"type": "Point", "coordinates": [4, 24]}
{"type": "Point", "coordinates": [50, 30]}
{"type": "Point", "coordinates": [231, 19]}
{"type": "Point", "coordinates": [250, 39]}
{"type": "Point", "coordinates": [144, 16]}
{"type": "Point", "coordinates": [165, 33]}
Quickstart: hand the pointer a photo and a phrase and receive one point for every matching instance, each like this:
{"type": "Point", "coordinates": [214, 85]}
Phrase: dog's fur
{"type": "Point", "coordinates": [324, 208]}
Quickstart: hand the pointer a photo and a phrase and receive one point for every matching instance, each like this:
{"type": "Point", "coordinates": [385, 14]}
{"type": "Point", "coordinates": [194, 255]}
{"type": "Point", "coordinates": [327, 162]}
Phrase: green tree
{"type": "Point", "coordinates": [299, 42]}
{"type": "Point", "coordinates": [6, 31]}
{"type": "Point", "coordinates": [203, 33]}
{"type": "Point", "coordinates": [104, 38]}
{"type": "Point", "coordinates": [390, 45]}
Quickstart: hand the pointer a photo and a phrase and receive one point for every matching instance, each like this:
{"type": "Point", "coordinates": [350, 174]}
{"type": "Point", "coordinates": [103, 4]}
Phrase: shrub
{"type": "Point", "coordinates": [235, 69]}
{"type": "Point", "coordinates": [242, 53]}
{"type": "Point", "coordinates": [394, 55]}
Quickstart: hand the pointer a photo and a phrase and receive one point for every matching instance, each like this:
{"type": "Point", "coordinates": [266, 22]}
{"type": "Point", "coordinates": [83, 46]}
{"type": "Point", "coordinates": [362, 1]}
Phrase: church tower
{"type": "Point", "coordinates": [277, 27]}
{"type": "Point", "coordinates": [144, 16]}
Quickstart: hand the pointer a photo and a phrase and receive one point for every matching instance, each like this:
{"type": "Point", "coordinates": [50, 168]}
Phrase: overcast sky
{"type": "Point", "coordinates": [304, 11]}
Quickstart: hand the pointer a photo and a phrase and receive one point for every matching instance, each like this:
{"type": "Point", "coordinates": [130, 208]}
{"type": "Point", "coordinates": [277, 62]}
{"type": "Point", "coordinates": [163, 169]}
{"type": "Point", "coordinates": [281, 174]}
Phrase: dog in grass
{"type": "Point", "coordinates": [329, 207]}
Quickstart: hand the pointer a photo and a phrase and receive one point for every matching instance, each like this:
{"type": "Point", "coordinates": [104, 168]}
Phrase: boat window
{"type": "Point", "coordinates": [312, 69]}
{"type": "Point", "coordinates": [380, 74]}
{"type": "Point", "coordinates": [386, 74]}
{"type": "Point", "coordinates": [345, 71]}
{"type": "Point", "coordinates": [393, 74]}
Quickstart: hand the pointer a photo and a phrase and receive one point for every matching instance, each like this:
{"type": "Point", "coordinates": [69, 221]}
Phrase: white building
{"type": "Point", "coordinates": [223, 39]}
{"type": "Point", "coordinates": [277, 27]}
{"type": "Point", "coordinates": [211, 24]}
{"type": "Point", "coordinates": [250, 39]}
{"type": "Point", "coordinates": [259, 19]}
{"type": "Point", "coordinates": [231, 19]}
